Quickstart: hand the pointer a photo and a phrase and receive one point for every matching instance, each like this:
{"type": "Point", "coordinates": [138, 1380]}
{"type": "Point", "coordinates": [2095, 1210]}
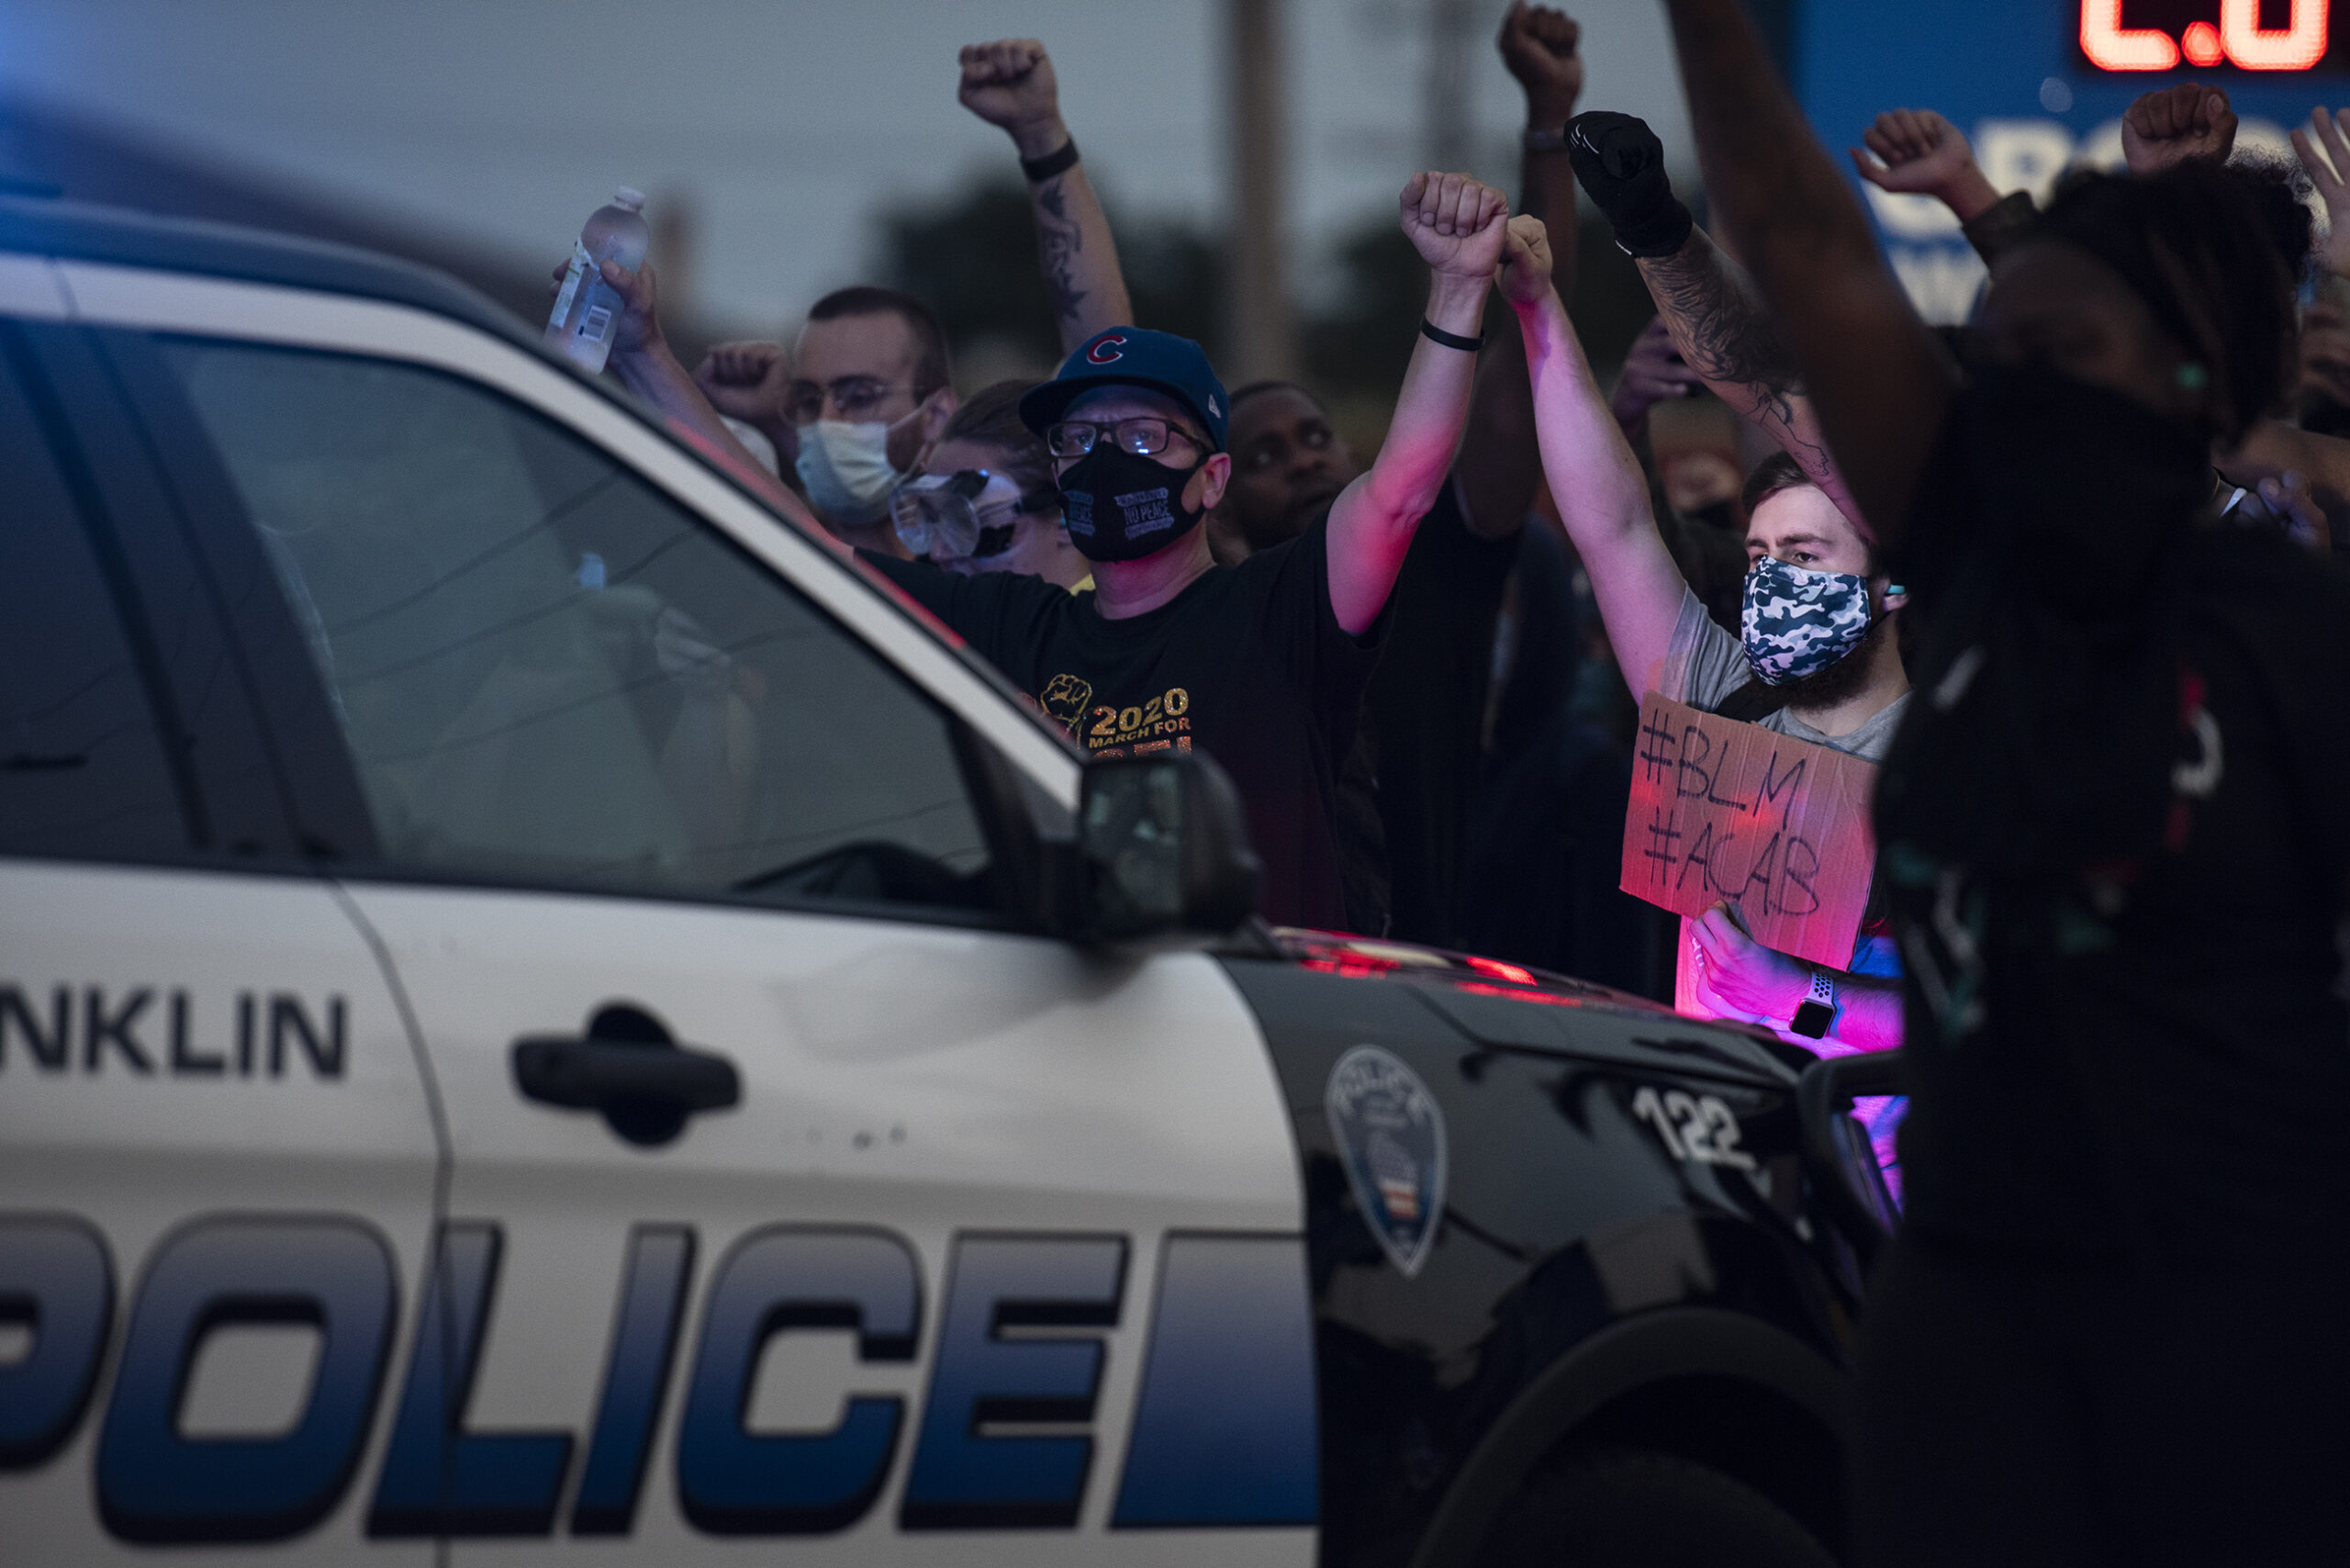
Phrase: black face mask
{"type": "Point", "coordinates": [2055, 755]}
{"type": "Point", "coordinates": [2094, 484]}
{"type": "Point", "coordinates": [1121, 507]}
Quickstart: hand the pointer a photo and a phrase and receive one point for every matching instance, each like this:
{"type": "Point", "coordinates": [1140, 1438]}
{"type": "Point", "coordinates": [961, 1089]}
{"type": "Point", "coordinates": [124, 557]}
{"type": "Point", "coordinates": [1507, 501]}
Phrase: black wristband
{"type": "Point", "coordinates": [1437, 334]}
{"type": "Point", "coordinates": [1039, 170]}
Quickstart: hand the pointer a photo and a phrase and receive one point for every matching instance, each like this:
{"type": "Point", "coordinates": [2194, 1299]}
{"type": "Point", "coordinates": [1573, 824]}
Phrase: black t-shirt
{"type": "Point", "coordinates": [2124, 1055]}
{"type": "Point", "coordinates": [1248, 664]}
{"type": "Point", "coordinates": [1426, 709]}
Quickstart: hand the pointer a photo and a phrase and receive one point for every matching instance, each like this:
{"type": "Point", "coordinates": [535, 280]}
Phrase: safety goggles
{"type": "Point", "coordinates": [971, 512]}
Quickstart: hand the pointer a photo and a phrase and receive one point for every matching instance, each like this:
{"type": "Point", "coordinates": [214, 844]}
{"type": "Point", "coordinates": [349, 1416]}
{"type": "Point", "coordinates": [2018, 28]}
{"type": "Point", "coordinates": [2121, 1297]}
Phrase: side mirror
{"type": "Point", "coordinates": [1162, 852]}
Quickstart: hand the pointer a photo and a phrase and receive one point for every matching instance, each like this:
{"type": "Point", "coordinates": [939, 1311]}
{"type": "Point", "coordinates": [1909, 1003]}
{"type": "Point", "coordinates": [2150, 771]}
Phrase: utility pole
{"type": "Point", "coordinates": [1452, 35]}
{"type": "Point", "coordinates": [1261, 319]}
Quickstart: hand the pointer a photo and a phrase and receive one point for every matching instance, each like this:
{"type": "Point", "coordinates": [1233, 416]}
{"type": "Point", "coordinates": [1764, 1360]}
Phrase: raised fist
{"type": "Point", "coordinates": [1538, 44]}
{"type": "Point", "coordinates": [1916, 151]}
{"type": "Point", "coordinates": [1620, 164]}
{"type": "Point", "coordinates": [2171, 124]}
{"type": "Point", "coordinates": [745, 381]}
{"type": "Point", "coordinates": [1525, 276]}
{"type": "Point", "coordinates": [1011, 83]}
{"type": "Point", "coordinates": [1456, 222]}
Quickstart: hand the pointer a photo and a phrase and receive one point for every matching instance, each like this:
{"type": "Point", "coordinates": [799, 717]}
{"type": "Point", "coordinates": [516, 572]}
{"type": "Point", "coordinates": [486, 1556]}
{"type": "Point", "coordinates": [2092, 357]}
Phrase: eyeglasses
{"type": "Point", "coordinates": [857, 398]}
{"type": "Point", "coordinates": [969, 513]}
{"type": "Point", "coordinates": [1144, 437]}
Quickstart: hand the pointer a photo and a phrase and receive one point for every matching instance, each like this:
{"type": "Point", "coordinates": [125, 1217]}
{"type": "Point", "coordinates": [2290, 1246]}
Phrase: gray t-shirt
{"type": "Point", "coordinates": [1706, 663]}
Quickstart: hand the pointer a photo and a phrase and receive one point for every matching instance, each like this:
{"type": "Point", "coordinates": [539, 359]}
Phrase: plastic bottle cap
{"type": "Point", "coordinates": [628, 197]}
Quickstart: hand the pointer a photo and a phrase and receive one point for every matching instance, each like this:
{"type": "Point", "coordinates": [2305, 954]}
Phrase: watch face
{"type": "Point", "coordinates": [1812, 1019]}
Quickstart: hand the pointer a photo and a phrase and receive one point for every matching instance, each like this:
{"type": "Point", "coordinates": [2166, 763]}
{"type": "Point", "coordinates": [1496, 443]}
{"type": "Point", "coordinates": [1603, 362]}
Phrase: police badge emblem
{"type": "Point", "coordinates": [1390, 1132]}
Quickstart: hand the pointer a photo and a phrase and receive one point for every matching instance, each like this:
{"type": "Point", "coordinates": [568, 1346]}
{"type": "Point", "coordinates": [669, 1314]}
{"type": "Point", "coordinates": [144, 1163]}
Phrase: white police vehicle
{"type": "Point", "coordinates": [542, 1016]}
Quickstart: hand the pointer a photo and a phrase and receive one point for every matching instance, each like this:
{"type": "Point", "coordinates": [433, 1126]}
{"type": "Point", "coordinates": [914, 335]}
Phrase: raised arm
{"type": "Point", "coordinates": [1713, 310]}
{"type": "Point", "coordinates": [1012, 84]}
{"type": "Point", "coordinates": [1875, 374]}
{"type": "Point", "coordinates": [2171, 125]}
{"type": "Point", "coordinates": [1601, 493]}
{"type": "Point", "coordinates": [1499, 465]}
{"type": "Point", "coordinates": [1918, 152]}
{"type": "Point", "coordinates": [1457, 225]}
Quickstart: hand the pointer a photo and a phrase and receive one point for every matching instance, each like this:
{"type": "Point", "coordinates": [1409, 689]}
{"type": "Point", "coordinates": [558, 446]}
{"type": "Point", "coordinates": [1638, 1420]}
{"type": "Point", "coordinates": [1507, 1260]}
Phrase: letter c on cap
{"type": "Point", "coordinates": [1106, 349]}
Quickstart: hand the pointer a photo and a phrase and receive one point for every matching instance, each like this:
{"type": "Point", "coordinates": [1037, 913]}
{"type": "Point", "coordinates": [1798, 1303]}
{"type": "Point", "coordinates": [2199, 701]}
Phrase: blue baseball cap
{"type": "Point", "coordinates": [1133, 356]}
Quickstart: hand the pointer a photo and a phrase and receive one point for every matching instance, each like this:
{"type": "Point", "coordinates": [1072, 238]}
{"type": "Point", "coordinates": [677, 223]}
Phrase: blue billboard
{"type": "Point", "coordinates": [2038, 85]}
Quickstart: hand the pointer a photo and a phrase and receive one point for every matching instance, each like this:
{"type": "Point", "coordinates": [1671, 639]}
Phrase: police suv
{"type": "Point", "coordinates": [542, 1016]}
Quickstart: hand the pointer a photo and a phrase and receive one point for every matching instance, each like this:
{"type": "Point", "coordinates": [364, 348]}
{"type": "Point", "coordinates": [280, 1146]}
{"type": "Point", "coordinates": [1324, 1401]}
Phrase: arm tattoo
{"type": "Point", "coordinates": [1729, 338]}
{"type": "Point", "coordinates": [1057, 243]}
{"type": "Point", "coordinates": [1725, 331]}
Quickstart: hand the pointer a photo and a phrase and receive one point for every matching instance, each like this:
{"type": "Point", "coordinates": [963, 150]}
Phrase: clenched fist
{"type": "Point", "coordinates": [1917, 151]}
{"type": "Point", "coordinates": [745, 381]}
{"type": "Point", "coordinates": [1456, 222]}
{"type": "Point", "coordinates": [1538, 44]}
{"type": "Point", "coordinates": [1011, 83]}
{"type": "Point", "coordinates": [1524, 274]}
{"type": "Point", "coordinates": [2172, 123]}
{"type": "Point", "coordinates": [1920, 153]}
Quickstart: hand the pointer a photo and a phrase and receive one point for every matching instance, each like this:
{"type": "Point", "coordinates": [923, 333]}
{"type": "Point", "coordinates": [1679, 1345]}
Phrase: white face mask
{"type": "Point", "coordinates": [847, 469]}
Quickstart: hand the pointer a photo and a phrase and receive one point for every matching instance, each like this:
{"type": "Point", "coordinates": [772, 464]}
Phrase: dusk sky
{"type": "Point", "coordinates": [790, 123]}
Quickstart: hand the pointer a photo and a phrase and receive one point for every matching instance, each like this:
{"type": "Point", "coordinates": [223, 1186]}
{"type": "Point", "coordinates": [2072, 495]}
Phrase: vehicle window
{"type": "Point", "coordinates": [83, 769]}
{"type": "Point", "coordinates": [546, 670]}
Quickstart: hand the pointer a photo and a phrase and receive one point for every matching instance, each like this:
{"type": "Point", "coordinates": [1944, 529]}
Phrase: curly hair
{"type": "Point", "coordinates": [2215, 256]}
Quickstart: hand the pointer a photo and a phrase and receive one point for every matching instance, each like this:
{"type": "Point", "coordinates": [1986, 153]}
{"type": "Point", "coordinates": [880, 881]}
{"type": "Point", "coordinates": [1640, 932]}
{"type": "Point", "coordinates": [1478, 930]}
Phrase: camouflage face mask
{"type": "Point", "coordinates": [1797, 622]}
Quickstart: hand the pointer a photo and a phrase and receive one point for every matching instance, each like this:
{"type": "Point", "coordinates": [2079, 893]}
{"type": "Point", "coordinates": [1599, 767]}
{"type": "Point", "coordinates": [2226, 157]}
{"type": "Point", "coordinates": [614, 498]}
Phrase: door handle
{"type": "Point", "coordinates": [627, 1068]}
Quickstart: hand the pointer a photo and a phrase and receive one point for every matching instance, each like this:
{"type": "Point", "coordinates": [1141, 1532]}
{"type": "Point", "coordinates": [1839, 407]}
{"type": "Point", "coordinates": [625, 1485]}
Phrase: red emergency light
{"type": "Point", "coordinates": [2236, 38]}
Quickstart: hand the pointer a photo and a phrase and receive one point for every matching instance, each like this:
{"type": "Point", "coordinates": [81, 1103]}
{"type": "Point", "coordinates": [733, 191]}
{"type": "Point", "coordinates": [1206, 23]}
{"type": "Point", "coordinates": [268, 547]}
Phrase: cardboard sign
{"type": "Point", "coordinates": [1728, 810]}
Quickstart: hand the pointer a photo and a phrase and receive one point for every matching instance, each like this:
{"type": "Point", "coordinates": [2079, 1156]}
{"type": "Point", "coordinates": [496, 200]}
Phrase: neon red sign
{"type": "Point", "coordinates": [2237, 39]}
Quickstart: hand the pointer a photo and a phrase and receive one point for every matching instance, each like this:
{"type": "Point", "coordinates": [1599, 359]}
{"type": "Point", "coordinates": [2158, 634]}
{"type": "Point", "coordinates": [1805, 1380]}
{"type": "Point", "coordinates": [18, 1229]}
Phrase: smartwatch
{"type": "Point", "coordinates": [1818, 1011]}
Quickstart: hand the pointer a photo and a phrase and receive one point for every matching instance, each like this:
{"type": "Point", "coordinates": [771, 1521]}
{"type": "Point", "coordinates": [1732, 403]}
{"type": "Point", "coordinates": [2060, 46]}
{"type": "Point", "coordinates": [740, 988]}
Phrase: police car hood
{"type": "Point", "coordinates": [1513, 1007]}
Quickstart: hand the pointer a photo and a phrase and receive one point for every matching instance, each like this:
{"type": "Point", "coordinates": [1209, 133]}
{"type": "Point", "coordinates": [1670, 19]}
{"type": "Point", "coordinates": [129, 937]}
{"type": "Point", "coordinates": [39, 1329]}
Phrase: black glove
{"type": "Point", "coordinates": [1620, 164]}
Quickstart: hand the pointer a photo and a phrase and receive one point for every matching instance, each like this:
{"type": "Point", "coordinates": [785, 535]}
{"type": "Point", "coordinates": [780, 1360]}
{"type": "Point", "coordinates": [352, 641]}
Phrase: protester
{"type": "Point", "coordinates": [1812, 568]}
{"type": "Point", "coordinates": [869, 390]}
{"type": "Point", "coordinates": [2294, 479]}
{"type": "Point", "coordinates": [1011, 85]}
{"type": "Point", "coordinates": [1841, 686]}
{"type": "Point", "coordinates": [1427, 714]}
{"type": "Point", "coordinates": [1705, 301]}
{"type": "Point", "coordinates": [866, 398]}
{"type": "Point", "coordinates": [2110, 1328]}
{"type": "Point", "coordinates": [1260, 665]}
{"type": "Point", "coordinates": [1007, 515]}
{"type": "Point", "coordinates": [746, 382]}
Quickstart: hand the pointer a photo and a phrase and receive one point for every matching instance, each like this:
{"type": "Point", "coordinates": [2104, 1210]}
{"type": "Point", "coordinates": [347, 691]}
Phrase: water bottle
{"type": "Point", "coordinates": [589, 309]}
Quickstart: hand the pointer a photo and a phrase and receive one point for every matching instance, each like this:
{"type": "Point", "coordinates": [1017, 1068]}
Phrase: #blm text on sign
{"type": "Point", "coordinates": [1723, 810]}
